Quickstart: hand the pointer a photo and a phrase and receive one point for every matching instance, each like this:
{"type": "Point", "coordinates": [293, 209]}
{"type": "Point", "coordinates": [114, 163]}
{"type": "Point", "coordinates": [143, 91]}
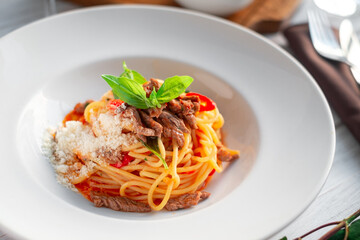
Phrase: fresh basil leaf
{"type": "Point", "coordinates": [133, 75]}
{"type": "Point", "coordinates": [138, 77]}
{"type": "Point", "coordinates": [172, 88]}
{"type": "Point", "coordinates": [152, 146]}
{"type": "Point", "coordinates": [112, 81]}
{"type": "Point", "coordinates": [153, 99]}
{"type": "Point", "coordinates": [354, 232]}
{"type": "Point", "coordinates": [128, 90]}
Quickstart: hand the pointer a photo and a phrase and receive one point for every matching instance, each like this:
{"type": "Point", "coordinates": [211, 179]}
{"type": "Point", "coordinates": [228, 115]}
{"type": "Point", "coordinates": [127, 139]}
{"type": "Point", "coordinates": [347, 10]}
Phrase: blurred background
{"type": "Point", "coordinates": [268, 17]}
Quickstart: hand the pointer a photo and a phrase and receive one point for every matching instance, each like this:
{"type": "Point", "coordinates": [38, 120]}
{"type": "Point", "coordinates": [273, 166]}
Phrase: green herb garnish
{"type": "Point", "coordinates": [152, 145]}
{"type": "Point", "coordinates": [128, 87]}
{"type": "Point", "coordinates": [172, 88]}
{"type": "Point", "coordinates": [133, 75]}
{"type": "Point", "coordinates": [347, 229]}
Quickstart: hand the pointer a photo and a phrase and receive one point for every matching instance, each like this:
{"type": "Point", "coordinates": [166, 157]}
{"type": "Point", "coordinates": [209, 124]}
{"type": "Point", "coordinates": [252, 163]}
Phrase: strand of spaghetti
{"type": "Point", "coordinates": [142, 167]}
{"type": "Point", "coordinates": [188, 162]}
{"type": "Point", "coordinates": [148, 174]}
{"type": "Point", "coordinates": [135, 162]}
{"type": "Point", "coordinates": [132, 147]}
{"type": "Point", "coordinates": [165, 199]}
{"type": "Point", "coordinates": [157, 164]}
{"type": "Point", "coordinates": [140, 150]}
{"type": "Point", "coordinates": [152, 189]}
{"type": "Point", "coordinates": [201, 135]}
{"type": "Point", "coordinates": [208, 130]}
{"type": "Point", "coordinates": [211, 158]}
{"type": "Point", "coordinates": [185, 180]}
{"type": "Point", "coordinates": [161, 148]}
{"type": "Point", "coordinates": [158, 190]}
{"type": "Point", "coordinates": [114, 177]}
{"type": "Point", "coordinates": [185, 148]}
{"type": "Point", "coordinates": [214, 136]}
{"type": "Point", "coordinates": [145, 197]}
{"type": "Point", "coordinates": [186, 158]}
{"type": "Point", "coordinates": [194, 138]}
{"type": "Point", "coordinates": [218, 133]}
{"type": "Point", "coordinates": [143, 156]}
{"type": "Point", "coordinates": [79, 179]}
{"type": "Point", "coordinates": [193, 187]}
{"type": "Point", "coordinates": [202, 171]}
{"type": "Point", "coordinates": [146, 180]}
{"type": "Point", "coordinates": [151, 161]}
{"type": "Point", "coordinates": [135, 185]}
{"type": "Point", "coordinates": [219, 122]}
{"type": "Point", "coordinates": [186, 184]}
{"type": "Point", "coordinates": [121, 172]}
{"type": "Point", "coordinates": [103, 180]}
{"type": "Point", "coordinates": [189, 169]}
{"type": "Point", "coordinates": [207, 116]}
{"type": "Point", "coordinates": [174, 176]}
{"type": "Point", "coordinates": [169, 153]}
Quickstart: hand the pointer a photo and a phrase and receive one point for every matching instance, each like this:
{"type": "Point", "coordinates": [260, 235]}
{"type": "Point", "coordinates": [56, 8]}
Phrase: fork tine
{"type": "Point", "coordinates": [323, 37]}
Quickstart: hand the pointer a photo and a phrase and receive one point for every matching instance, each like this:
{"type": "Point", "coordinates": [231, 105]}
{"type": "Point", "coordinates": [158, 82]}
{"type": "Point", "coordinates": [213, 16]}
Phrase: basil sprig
{"type": "Point", "coordinates": [128, 87]}
{"type": "Point", "coordinates": [133, 75]}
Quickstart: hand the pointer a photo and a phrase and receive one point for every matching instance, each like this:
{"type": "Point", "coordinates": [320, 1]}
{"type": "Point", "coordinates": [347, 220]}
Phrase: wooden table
{"type": "Point", "coordinates": [340, 195]}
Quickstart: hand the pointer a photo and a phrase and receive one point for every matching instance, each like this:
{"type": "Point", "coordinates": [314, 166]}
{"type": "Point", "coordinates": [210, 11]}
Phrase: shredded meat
{"type": "Point", "coordinates": [80, 107]}
{"type": "Point", "coordinates": [110, 156]}
{"type": "Point", "coordinates": [224, 155]}
{"type": "Point", "coordinates": [151, 123]}
{"type": "Point", "coordinates": [173, 127]}
{"type": "Point", "coordinates": [118, 203]}
{"type": "Point", "coordinates": [185, 108]}
{"type": "Point", "coordinates": [142, 132]}
{"type": "Point", "coordinates": [155, 112]}
{"type": "Point", "coordinates": [124, 204]}
{"type": "Point", "coordinates": [149, 86]}
{"type": "Point", "coordinates": [187, 200]}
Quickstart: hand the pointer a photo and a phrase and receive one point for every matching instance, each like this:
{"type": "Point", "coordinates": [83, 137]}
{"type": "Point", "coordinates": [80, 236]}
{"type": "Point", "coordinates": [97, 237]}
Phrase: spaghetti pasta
{"type": "Point", "coordinates": [105, 153]}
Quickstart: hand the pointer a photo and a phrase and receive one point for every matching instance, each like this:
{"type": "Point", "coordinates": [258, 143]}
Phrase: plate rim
{"type": "Point", "coordinates": [226, 22]}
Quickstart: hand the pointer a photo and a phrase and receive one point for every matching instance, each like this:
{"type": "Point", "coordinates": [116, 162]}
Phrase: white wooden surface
{"type": "Point", "coordinates": [340, 195]}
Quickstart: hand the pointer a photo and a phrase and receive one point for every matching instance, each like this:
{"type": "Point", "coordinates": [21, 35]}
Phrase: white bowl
{"type": "Point", "coordinates": [216, 7]}
{"type": "Point", "coordinates": [274, 113]}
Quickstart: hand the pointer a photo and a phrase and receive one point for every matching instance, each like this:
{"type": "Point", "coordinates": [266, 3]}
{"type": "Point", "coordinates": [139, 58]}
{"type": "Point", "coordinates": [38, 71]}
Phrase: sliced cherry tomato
{"type": "Point", "coordinates": [113, 104]}
{"type": "Point", "coordinates": [125, 161]}
{"type": "Point", "coordinates": [206, 104]}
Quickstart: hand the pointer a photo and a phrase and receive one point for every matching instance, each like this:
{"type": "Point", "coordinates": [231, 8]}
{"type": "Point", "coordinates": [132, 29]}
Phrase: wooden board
{"type": "Point", "coordinates": [100, 2]}
{"type": "Point", "coordinates": [263, 16]}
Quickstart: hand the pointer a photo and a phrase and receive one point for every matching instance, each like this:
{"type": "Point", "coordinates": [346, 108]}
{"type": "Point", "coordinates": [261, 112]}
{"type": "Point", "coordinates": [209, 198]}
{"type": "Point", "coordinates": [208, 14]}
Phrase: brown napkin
{"type": "Point", "coordinates": [334, 78]}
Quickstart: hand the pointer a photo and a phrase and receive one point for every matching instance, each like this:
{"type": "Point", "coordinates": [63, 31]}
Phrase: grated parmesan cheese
{"type": "Point", "coordinates": [75, 137]}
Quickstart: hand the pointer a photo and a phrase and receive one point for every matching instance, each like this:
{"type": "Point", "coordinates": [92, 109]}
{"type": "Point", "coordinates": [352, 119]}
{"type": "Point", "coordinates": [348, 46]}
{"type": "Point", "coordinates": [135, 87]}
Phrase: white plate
{"type": "Point", "coordinates": [274, 112]}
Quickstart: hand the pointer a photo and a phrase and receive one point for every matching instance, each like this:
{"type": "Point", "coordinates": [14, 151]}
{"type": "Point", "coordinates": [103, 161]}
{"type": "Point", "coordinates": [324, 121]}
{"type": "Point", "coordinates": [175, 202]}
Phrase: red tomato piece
{"type": "Point", "coordinates": [206, 104]}
{"type": "Point", "coordinates": [212, 172]}
{"type": "Point", "coordinates": [126, 159]}
{"type": "Point", "coordinates": [113, 104]}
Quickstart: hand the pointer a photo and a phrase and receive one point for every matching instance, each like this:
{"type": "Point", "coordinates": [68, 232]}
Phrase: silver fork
{"type": "Point", "coordinates": [323, 37]}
